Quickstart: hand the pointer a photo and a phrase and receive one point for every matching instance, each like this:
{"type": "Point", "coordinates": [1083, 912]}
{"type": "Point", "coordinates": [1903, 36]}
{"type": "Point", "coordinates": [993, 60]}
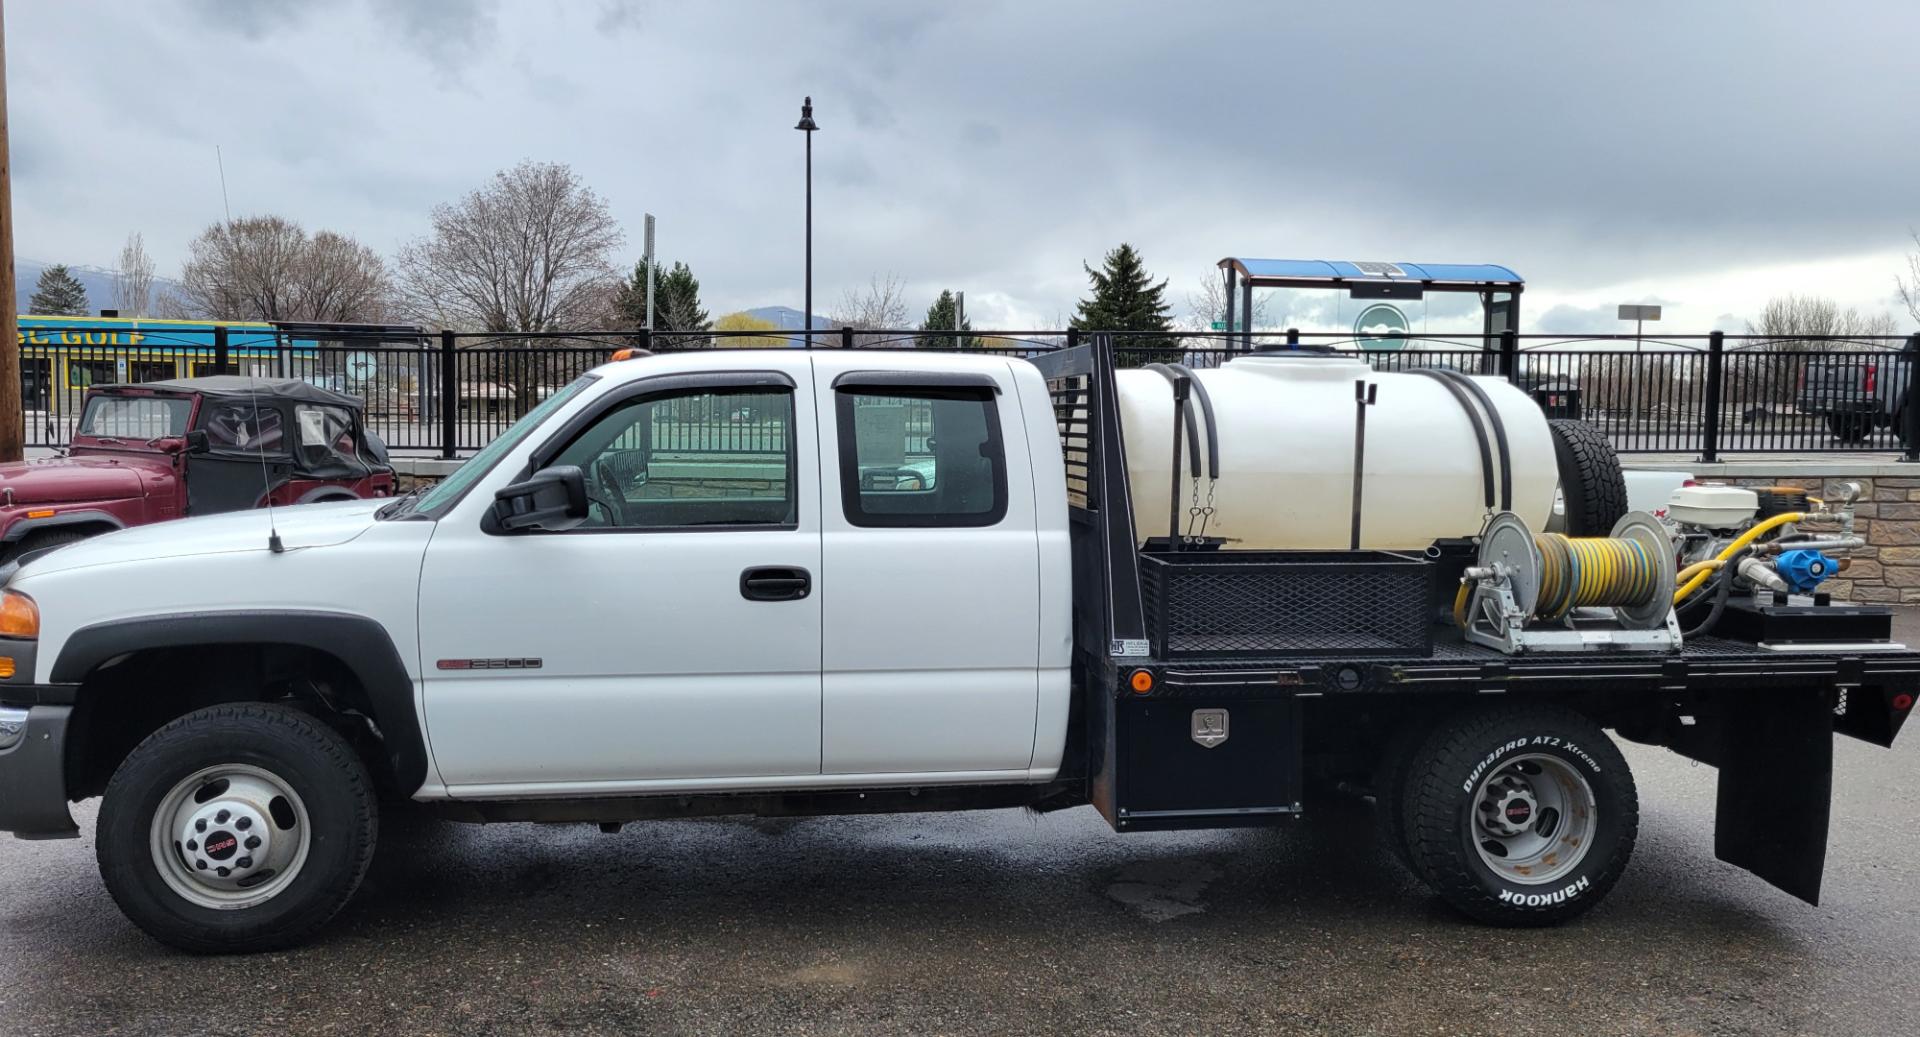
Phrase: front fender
{"type": "Point", "coordinates": [360, 643]}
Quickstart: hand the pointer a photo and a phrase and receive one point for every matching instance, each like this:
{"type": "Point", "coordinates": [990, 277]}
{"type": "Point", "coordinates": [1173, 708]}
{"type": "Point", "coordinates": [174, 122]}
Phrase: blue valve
{"type": "Point", "coordinates": [1804, 570]}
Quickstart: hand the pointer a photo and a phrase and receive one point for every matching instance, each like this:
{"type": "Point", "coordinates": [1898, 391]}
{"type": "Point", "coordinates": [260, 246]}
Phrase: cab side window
{"type": "Point", "coordinates": [238, 425]}
{"type": "Point", "coordinates": [325, 435]}
{"type": "Point", "coordinates": [921, 457]}
{"type": "Point", "coordinates": [690, 460]}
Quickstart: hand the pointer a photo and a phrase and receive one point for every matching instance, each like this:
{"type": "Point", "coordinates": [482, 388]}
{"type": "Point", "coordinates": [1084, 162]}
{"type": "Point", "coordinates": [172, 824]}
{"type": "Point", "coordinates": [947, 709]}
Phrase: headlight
{"type": "Point", "coordinates": [19, 616]}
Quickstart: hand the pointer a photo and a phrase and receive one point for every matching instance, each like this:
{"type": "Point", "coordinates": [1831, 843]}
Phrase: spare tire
{"type": "Point", "coordinates": [1591, 486]}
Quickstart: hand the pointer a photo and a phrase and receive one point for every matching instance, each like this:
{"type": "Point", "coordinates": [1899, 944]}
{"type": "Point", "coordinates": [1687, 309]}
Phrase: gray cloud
{"type": "Point", "coordinates": [996, 146]}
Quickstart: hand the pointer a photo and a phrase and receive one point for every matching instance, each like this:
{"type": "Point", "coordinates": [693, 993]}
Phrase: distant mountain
{"type": "Point", "coordinates": [98, 282]}
{"type": "Point", "coordinates": [787, 318]}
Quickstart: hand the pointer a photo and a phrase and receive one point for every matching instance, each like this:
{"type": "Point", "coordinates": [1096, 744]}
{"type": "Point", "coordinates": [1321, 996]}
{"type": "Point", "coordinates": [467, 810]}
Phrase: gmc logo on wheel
{"type": "Point", "coordinates": [218, 846]}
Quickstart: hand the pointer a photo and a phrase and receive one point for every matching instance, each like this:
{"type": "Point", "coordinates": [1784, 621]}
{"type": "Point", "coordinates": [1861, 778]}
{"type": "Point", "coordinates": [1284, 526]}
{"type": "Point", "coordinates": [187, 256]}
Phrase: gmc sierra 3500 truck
{"type": "Point", "coordinates": [847, 581]}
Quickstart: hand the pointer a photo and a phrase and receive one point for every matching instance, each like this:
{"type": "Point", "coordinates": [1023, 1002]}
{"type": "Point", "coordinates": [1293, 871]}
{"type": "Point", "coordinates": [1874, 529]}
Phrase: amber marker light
{"type": "Point", "coordinates": [19, 616]}
{"type": "Point", "coordinates": [1141, 682]}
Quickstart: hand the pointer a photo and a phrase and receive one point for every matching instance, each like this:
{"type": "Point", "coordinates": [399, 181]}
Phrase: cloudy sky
{"type": "Point", "coordinates": [1705, 155]}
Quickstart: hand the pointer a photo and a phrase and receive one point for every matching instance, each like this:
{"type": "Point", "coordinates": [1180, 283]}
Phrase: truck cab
{"type": "Point", "coordinates": [878, 550]}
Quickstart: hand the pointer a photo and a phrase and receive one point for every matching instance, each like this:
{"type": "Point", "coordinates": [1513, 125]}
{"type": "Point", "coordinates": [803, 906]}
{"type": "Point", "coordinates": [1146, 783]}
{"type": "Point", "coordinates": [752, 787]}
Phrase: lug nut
{"type": "Point", "coordinates": [192, 845]}
{"type": "Point", "coordinates": [200, 825]}
{"type": "Point", "coordinates": [202, 865]}
{"type": "Point", "coordinates": [221, 817]}
{"type": "Point", "coordinates": [244, 823]}
{"type": "Point", "coordinates": [253, 842]}
{"type": "Point", "coordinates": [223, 871]}
{"type": "Point", "coordinates": [244, 862]}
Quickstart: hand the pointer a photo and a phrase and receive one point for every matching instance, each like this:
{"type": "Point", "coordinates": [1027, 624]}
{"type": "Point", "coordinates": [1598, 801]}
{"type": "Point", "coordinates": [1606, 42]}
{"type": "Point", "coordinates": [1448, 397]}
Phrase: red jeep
{"type": "Point", "coordinates": [193, 446]}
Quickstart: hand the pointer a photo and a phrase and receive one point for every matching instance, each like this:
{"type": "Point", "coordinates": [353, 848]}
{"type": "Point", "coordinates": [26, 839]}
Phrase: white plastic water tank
{"type": "Point", "coordinates": [1286, 428]}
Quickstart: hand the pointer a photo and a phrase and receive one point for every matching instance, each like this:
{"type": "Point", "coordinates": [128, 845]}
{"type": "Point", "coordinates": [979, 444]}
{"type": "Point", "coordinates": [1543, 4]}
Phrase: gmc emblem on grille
{"type": "Point", "coordinates": [1209, 727]}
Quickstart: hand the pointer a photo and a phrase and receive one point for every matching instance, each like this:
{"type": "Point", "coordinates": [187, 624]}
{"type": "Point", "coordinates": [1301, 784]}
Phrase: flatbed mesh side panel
{"type": "Point", "coordinates": [1072, 416]}
{"type": "Point", "coordinates": [1208, 605]}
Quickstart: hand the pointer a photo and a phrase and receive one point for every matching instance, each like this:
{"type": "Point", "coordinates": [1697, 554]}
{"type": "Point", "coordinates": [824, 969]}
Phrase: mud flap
{"type": "Point", "coordinates": [1776, 789]}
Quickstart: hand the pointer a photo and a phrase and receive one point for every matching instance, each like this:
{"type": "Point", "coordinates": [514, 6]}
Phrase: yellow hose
{"type": "Point", "coordinates": [1726, 553]}
{"type": "Point", "coordinates": [1708, 565]}
{"type": "Point", "coordinates": [1460, 606]}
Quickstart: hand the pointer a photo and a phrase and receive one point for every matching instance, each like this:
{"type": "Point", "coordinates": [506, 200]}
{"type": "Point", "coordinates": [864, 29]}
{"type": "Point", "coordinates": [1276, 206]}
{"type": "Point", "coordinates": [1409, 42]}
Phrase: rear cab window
{"type": "Point", "coordinates": [920, 455]}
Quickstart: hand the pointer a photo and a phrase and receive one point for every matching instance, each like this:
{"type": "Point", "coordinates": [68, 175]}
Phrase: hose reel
{"type": "Point", "coordinates": [1543, 592]}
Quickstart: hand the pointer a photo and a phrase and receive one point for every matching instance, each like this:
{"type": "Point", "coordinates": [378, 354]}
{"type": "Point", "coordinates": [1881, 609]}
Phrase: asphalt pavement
{"type": "Point", "coordinates": [1002, 922]}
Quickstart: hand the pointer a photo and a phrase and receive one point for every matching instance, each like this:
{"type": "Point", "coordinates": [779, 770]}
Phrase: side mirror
{"type": "Point", "coordinates": [552, 498]}
{"type": "Point", "coordinates": [197, 442]}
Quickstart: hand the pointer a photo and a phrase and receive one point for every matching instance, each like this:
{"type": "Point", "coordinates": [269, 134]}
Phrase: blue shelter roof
{"type": "Point", "coordinates": [1258, 270]}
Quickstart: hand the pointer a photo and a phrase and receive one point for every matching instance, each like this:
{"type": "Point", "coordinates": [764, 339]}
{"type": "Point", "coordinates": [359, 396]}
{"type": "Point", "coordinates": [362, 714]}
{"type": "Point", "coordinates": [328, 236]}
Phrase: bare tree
{"type": "Point", "coordinates": [1208, 306]}
{"type": "Point", "coordinates": [1909, 284]}
{"type": "Point", "coordinates": [881, 305]}
{"type": "Point", "coordinates": [133, 279]}
{"type": "Point", "coordinates": [530, 251]}
{"type": "Point", "coordinates": [1795, 324]}
{"type": "Point", "coordinates": [267, 268]}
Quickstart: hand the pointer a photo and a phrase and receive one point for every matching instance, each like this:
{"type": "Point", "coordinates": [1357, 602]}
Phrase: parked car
{"type": "Point", "coordinates": [194, 446]}
{"type": "Point", "coordinates": [1854, 393]}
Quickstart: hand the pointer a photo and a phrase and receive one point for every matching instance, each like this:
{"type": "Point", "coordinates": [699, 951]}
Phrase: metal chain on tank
{"type": "Point", "coordinates": [1193, 514]}
{"type": "Point", "coordinates": [1206, 513]}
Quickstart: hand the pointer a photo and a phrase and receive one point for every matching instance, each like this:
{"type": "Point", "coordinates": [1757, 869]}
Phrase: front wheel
{"type": "Point", "coordinates": [1520, 817]}
{"type": "Point", "coordinates": [237, 828]}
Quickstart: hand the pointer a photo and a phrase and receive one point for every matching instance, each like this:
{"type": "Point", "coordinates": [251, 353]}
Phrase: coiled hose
{"type": "Point", "coordinates": [1585, 572]}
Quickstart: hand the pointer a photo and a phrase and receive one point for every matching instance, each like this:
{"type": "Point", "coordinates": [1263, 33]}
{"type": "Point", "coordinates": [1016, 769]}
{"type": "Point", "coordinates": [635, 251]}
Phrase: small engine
{"type": "Point", "coordinates": [1744, 558]}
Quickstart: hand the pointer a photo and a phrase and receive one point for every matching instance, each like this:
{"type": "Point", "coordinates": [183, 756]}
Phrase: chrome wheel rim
{"type": "Point", "coordinates": [1533, 819]}
{"type": "Point", "coordinates": [230, 837]}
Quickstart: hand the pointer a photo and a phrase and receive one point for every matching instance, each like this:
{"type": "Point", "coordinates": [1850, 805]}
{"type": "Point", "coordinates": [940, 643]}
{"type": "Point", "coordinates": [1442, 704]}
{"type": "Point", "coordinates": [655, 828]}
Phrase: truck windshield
{"type": "Point", "coordinates": [135, 417]}
{"type": "Point", "coordinates": [450, 488]}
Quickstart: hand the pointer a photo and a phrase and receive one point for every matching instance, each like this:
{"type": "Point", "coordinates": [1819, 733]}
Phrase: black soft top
{"type": "Point", "coordinates": [233, 385]}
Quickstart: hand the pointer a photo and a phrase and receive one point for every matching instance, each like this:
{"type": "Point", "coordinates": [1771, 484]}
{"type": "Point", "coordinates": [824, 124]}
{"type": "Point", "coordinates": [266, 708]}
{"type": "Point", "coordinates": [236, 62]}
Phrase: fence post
{"type": "Point", "coordinates": [1293, 338]}
{"type": "Point", "coordinates": [1910, 414]}
{"type": "Point", "coordinates": [1073, 337]}
{"type": "Point", "coordinates": [1510, 355]}
{"type": "Point", "coordinates": [646, 339]}
{"type": "Point", "coordinates": [1710, 423]}
{"type": "Point", "coordinates": [449, 394]}
{"type": "Point", "coordinates": [220, 349]}
{"type": "Point", "coordinates": [846, 337]}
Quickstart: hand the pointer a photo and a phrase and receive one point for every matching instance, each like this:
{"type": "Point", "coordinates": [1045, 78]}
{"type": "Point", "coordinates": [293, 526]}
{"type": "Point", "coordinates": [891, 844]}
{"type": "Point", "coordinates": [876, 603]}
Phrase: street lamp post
{"type": "Point", "coordinates": [807, 125]}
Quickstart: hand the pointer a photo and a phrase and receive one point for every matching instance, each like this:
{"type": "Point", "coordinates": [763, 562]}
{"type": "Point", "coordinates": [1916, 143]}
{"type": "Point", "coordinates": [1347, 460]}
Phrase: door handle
{"type": "Point", "coordinates": [775, 583]}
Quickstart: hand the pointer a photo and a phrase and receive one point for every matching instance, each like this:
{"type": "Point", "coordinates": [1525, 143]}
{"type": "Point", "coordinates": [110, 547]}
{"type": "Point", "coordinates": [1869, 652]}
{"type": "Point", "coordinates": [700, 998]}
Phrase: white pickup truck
{"type": "Point", "coordinates": [814, 582]}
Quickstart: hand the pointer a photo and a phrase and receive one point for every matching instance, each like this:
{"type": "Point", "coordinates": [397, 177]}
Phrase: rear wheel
{"type": "Point", "coordinates": [1591, 485]}
{"type": "Point", "coordinates": [1520, 817]}
{"type": "Point", "coordinates": [237, 828]}
{"type": "Point", "coordinates": [1849, 426]}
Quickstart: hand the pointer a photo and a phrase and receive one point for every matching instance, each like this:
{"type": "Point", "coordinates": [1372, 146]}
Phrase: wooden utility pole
{"type": "Point", "coordinates": [13, 417]}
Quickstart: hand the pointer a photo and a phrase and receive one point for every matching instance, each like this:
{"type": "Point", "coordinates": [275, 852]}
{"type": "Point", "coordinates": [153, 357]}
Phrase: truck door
{"type": "Point", "coordinates": [673, 640]}
{"type": "Point", "coordinates": [930, 564]}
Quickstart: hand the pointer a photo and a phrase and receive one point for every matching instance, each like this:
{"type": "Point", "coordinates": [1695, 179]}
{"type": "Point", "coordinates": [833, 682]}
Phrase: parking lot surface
{"type": "Point", "coordinates": [1003, 923]}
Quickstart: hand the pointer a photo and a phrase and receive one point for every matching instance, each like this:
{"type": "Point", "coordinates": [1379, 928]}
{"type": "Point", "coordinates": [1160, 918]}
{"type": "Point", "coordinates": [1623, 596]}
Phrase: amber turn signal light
{"type": "Point", "coordinates": [1141, 682]}
{"type": "Point", "coordinates": [19, 616]}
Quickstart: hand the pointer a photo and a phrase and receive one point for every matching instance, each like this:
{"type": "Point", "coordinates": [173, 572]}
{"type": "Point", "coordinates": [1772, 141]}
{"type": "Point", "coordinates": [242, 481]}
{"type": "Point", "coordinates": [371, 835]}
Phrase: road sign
{"type": "Point", "coordinates": [1381, 327]}
{"type": "Point", "coordinates": [1636, 312]}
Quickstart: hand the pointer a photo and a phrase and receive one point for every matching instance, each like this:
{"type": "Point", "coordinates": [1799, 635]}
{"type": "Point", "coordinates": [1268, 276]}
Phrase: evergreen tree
{"type": "Point", "coordinates": [1126, 299]}
{"type": "Point", "coordinates": [940, 317]}
{"type": "Point", "coordinates": [676, 300]}
{"type": "Point", "coordinates": [59, 294]}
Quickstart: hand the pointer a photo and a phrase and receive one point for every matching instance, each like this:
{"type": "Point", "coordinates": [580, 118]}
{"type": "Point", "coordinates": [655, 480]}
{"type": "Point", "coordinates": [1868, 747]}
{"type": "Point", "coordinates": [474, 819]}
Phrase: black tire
{"type": "Point", "coordinates": [311, 758]}
{"type": "Point", "coordinates": [1443, 832]}
{"type": "Point", "coordinates": [1849, 427]}
{"type": "Point", "coordinates": [1390, 790]}
{"type": "Point", "coordinates": [1594, 491]}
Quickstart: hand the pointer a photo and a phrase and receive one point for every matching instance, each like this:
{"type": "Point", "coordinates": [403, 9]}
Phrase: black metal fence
{"type": "Point", "coordinates": [450, 393]}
